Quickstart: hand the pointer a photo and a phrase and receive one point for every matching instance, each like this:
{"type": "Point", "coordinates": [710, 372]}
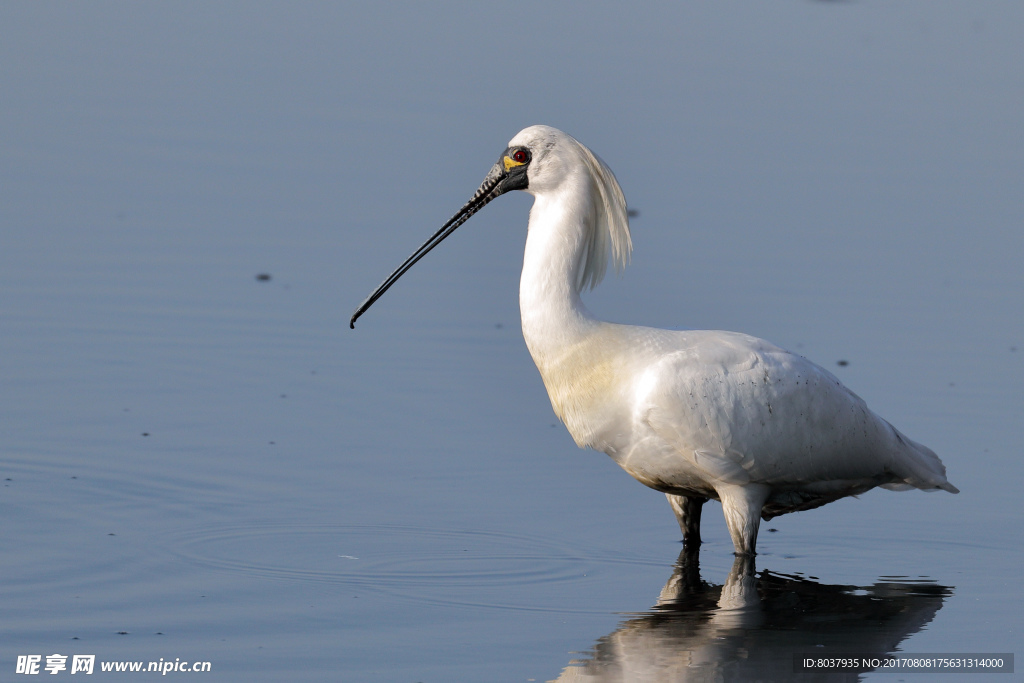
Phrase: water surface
{"type": "Point", "coordinates": [203, 465]}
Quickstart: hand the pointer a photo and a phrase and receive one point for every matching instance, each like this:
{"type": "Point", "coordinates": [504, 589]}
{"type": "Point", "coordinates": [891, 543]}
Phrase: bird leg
{"type": "Point", "coordinates": [687, 509]}
{"type": "Point", "coordinates": [742, 507]}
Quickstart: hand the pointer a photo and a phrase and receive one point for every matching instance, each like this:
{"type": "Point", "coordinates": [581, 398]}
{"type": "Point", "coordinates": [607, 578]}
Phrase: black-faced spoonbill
{"type": "Point", "coordinates": [694, 414]}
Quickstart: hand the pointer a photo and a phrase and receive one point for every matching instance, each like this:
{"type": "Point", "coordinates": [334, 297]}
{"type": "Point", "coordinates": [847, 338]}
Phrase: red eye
{"type": "Point", "coordinates": [521, 156]}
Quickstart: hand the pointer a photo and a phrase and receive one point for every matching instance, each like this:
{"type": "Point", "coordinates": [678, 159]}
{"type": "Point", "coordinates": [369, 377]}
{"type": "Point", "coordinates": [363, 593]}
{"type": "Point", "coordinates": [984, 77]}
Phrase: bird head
{"type": "Point", "coordinates": [542, 159]}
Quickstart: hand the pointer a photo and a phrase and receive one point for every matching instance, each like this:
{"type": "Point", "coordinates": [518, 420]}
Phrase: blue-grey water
{"type": "Point", "coordinates": [200, 465]}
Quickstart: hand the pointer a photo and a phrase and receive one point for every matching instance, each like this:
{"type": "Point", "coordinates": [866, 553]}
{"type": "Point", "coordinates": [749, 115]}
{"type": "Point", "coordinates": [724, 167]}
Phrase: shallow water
{"type": "Point", "coordinates": [206, 466]}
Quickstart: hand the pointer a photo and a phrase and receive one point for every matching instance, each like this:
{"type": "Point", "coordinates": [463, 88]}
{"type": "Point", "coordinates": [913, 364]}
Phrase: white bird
{"type": "Point", "coordinates": [694, 414]}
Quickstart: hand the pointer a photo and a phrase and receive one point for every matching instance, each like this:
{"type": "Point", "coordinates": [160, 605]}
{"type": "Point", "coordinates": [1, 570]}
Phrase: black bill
{"type": "Point", "coordinates": [502, 178]}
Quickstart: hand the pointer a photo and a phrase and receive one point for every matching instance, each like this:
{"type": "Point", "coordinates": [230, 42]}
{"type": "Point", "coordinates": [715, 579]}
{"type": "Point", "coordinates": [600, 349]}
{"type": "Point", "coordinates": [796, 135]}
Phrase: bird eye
{"type": "Point", "coordinates": [521, 156]}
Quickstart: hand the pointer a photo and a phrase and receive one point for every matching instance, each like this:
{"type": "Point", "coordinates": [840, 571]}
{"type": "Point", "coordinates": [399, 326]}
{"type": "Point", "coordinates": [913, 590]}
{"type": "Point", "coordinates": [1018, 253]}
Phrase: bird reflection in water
{"type": "Point", "coordinates": [749, 628]}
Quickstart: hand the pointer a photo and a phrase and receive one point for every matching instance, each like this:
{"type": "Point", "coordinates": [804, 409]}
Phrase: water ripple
{"type": "Point", "coordinates": [440, 566]}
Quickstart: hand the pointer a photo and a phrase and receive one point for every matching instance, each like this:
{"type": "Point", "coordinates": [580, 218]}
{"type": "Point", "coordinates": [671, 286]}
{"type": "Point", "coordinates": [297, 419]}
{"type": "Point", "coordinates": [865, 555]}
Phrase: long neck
{"type": "Point", "coordinates": [553, 315]}
{"type": "Point", "coordinates": [572, 350]}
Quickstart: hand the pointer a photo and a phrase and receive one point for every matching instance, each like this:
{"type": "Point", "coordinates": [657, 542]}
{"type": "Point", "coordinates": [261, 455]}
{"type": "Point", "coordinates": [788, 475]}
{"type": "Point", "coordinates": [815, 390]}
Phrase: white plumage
{"type": "Point", "coordinates": [694, 414]}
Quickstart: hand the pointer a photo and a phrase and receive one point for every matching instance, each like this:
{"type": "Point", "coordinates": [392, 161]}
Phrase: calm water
{"type": "Point", "coordinates": [204, 466]}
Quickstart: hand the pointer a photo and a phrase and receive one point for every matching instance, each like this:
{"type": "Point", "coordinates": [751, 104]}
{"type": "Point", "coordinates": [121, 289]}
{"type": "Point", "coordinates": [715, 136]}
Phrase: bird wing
{"type": "Point", "coordinates": [692, 403]}
{"type": "Point", "coordinates": [739, 409]}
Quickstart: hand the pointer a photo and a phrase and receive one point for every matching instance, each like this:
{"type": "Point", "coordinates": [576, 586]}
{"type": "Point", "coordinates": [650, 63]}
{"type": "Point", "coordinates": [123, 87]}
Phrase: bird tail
{"type": "Point", "coordinates": [917, 467]}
